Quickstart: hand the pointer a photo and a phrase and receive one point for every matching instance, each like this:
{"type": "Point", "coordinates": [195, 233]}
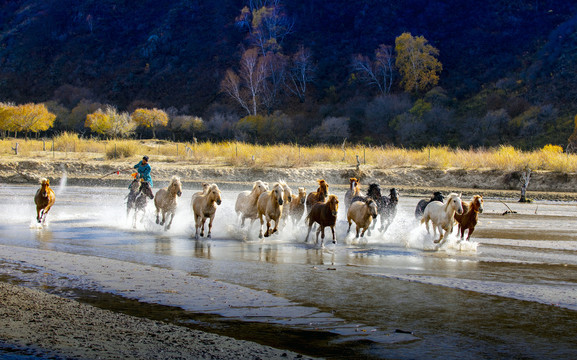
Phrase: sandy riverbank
{"type": "Point", "coordinates": [48, 326]}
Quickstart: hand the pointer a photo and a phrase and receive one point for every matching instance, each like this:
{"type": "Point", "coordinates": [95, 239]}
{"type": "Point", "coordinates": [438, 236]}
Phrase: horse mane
{"type": "Point", "coordinates": [174, 179]}
{"type": "Point", "coordinates": [450, 197]}
{"type": "Point", "coordinates": [44, 181]}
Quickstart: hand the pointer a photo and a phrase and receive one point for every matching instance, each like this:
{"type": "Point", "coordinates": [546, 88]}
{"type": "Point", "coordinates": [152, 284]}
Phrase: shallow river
{"type": "Point", "coordinates": [509, 293]}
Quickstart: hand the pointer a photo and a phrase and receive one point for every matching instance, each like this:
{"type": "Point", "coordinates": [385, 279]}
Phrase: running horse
{"type": "Point", "coordinates": [165, 202]}
{"type": "Point", "coordinates": [204, 204]}
{"type": "Point", "coordinates": [468, 220]}
{"type": "Point", "coordinates": [137, 198]}
{"type": "Point", "coordinates": [318, 196]}
{"type": "Point", "coordinates": [442, 215]}
{"type": "Point", "coordinates": [269, 207]}
{"type": "Point", "coordinates": [353, 191]}
{"type": "Point", "coordinates": [44, 199]}
{"type": "Point", "coordinates": [325, 214]}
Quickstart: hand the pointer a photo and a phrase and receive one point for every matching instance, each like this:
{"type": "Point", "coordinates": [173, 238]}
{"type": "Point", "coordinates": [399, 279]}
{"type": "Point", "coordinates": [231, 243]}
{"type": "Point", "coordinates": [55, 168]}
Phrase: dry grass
{"type": "Point", "coordinates": [69, 145]}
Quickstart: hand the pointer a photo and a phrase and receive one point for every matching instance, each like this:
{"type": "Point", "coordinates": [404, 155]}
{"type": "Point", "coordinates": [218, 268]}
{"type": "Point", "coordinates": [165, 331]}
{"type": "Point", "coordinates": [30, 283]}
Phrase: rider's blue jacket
{"type": "Point", "coordinates": [144, 172]}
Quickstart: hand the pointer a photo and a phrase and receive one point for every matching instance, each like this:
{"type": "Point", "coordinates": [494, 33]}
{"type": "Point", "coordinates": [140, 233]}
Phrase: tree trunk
{"type": "Point", "coordinates": [525, 179]}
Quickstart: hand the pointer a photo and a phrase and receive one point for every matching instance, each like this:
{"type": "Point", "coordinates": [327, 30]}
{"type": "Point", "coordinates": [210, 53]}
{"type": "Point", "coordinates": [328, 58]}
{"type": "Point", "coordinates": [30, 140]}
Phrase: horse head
{"type": "Point", "coordinates": [259, 187]}
{"type": "Point", "coordinates": [277, 192]}
{"type": "Point", "coordinates": [394, 194]}
{"type": "Point", "coordinates": [302, 195]}
{"type": "Point", "coordinates": [437, 196]}
{"type": "Point", "coordinates": [374, 191]}
{"type": "Point", "coordinates": [477, 203]}
{"type": "Point", "coordinates": [145, 189]}
{"type": "Point", "coordinates": [333, 204]}
{"type": "Point", "coordinates": [287, 192]}
{"type": "Point", "coordinates": [354, 183]}
{"type": "Point", "coordinates": [175, 187]}
{"type": "Point", "coordinates": [45, 186]}
{"type": "Point", "coordinates": [454, 202]}
{"type": "Point", "coordinates": [135, 186]}
{"type": "Point", "coordinates": [372, 205]}
{"type": "Point", "coordinates": [215, 194]}
{"type": "Point", "coordinates": [205, 188]}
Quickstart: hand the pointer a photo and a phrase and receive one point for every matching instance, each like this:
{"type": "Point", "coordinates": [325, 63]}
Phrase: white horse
{"type": "Point", "coordinates": [245, 205]}
{"type": "Point", "coordinates": [442, 215]}
{"type": "Point", "coordinates": [204, 204]}
{"type": "Point", "coordinates": [165, 201]}
{"type": "Point", "coordinates": [287, 198]}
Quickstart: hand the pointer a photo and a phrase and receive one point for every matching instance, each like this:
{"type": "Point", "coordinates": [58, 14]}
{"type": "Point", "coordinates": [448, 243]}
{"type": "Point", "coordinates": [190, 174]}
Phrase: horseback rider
{"type": "Point", "coordinates": [144, 169]}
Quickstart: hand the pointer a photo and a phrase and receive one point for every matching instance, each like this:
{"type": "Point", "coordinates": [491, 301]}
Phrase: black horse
{"type": "Point", "coordinates": [136, 199]}
{"type": "Point", "coordinates": [437, 196]}
{"type": "Point", "coordinates": [386, 205]}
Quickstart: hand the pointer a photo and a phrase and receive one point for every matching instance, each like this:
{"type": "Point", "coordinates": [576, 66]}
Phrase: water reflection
{"type": "Point", "coordinates": [202, 249]}
{"type": "Point", "coordinates": [163, 245]}
{"type": "Point", "coordinates": [45, 238]}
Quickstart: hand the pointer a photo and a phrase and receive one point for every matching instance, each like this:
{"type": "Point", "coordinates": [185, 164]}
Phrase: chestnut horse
{"type": "Point", "coordinates": [44, 199]}
{"type": "Point", "coordinates": [362, 213]}
{"type": "Point", "coordinates": [468, 220]}
{"type": "Point", "coordinates": [165, 201]}
{"type": "Point", "coordinates": [204, 204]}
{"type": "Point", "coordinates": [269, 206]}
{"type": "Point", "coordinates": [442, 215]}
{"type": "Point", "coordinates": [245, 205]}
{"type": "Point", "coordinates": [325, 214]}
{"type": "Point", "coordinates": [318, 196]}
{"type": "Point", "coordinates": [353, 191]}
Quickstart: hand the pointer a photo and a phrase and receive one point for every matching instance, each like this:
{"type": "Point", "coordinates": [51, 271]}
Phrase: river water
{"type": "Point", "coordinates": [511, 292]}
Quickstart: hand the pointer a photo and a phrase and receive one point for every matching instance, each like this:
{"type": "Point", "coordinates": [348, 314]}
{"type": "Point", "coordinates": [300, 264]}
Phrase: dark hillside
{"type": "Point", "coordinates": [175, 54]}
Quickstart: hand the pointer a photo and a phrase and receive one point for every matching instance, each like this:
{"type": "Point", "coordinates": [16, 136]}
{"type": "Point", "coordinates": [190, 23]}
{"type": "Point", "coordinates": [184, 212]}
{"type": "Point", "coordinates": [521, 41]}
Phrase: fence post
{"type": "Point", "coordinates": [53, 149]}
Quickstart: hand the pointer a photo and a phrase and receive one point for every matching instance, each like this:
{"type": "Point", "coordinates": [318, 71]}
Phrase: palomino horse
{"type": "Point", "coordinates": [297, 205]}
{"type": "Point", "coordinates": [353, 191]}
{"type": "Point", "coordinates": [165, 201]}
{"type": "Point", "coordinates": [137, 200]}
{"type": "Point", "coordinates": [441, 215]}
{"type": "Point", "coordinates": [204, 207]}
{"type": "Point", "coordinates": [362, 213]}
{"type": "Point", "coordinates": [470, 217]}
{"type": "Point", "coordinates": [421, 205]}
{"type": "Point", "coordinates": [245, 205]}
{"type": "Point", "coordinates": [44, 199]}
{"type": "Point", "coordinates": [269, 206]}
{"type": "Point", "coordinates": [318, 196]}
{"type": "Point", "coordinates": [325, 214]}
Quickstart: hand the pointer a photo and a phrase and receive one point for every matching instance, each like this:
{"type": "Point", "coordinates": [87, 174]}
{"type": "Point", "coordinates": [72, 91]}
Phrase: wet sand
{"type": "Point", "coordinates": [54, 327]}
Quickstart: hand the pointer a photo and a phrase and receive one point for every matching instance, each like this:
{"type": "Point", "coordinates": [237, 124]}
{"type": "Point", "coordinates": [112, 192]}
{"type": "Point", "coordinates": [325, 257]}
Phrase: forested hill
{"type": "Point", "coordinates": [508, 67]}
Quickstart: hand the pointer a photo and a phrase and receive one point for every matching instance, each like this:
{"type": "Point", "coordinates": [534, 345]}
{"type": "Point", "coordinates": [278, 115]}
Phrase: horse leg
{"type": "Point", "coordinates": [38, 216]}
{"type": "Point", "coordinates": [268, 232]}
{"type": "Point", "coordinates": [317, 233]}
{"type": "Point", "coordinates": [209, 235]}
{"type": "Point", "coordinates": [157, 215]}
{"type": "Point", "coordinates": [170, 222]}
{"type": "Point", "coordinates": [44, 214]}
{"type": "Point", "coordinates": [260, 234]}
{"type": "Point", "coordinates": [308, 233]}
{"type": "Point", "coordinates": [202, 226]}
{"type": "Point", "coordinates": [471, 229]}
{"type": "Point", "coordinates": [334, 237]}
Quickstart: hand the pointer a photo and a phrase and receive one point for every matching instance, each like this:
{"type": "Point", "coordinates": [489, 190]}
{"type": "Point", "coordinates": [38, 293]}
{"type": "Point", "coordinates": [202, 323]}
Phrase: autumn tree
{"type": "Point", "coordinates": [32, 118]}
{"type": "Point", "coordinates": [6, 118]}
{"type": "Point", "coordinates": [150, 118]}
{"type": "Point", "coordinates": [110, 123]}
{"type": "Point", "coordinates": [376, 72]}
{"type": "Point", "coordinates": [417, 62]}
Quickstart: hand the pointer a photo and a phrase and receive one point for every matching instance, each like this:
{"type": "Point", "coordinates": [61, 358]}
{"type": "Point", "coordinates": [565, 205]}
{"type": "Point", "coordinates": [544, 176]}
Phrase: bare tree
{"type": "Point", "coordinates": [377, 72]}
{"type": "Point", "coordinates": [301, 72]}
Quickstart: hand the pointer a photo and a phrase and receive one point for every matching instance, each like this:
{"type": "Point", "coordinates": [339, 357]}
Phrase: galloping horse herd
{"type": "Point", "coordinates": [277, 203]}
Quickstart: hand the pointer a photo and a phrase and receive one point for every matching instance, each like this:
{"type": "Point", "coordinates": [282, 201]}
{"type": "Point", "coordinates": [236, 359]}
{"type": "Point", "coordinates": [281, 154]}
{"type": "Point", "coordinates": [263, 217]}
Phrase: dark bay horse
{"type": "Point", "coordinates": [318, 196]}
{"type": "Point", "coordinates": [387, 209]}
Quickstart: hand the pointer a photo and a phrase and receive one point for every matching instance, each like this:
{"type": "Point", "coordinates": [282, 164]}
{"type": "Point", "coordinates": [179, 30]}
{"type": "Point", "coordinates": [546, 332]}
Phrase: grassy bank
{"type": "Point", "coordinates": [550, 158]}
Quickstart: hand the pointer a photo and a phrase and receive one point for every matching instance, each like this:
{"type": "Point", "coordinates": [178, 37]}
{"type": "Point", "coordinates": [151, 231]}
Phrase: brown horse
{"type": "Point", "coordinates": [468, 220]}
{"type": "Point", "coordinates": [269, 206]}
{"type": "Point", "coordinates": [165, 201]}
{"type": "Point", "coordinates": [354, 190]}
{"type": "Point", "coordinates": [325, 214]}
{"type": "Point", "coordinates": [246, 206]}
{"type": "Point", "coordinates": [318, 196]}
{"type": "Point", "coordinates": [297, 206]}
{"type": "Point", "coordinates": [44, 199]}
{"type": "Point", "coordinates": [204, 205]}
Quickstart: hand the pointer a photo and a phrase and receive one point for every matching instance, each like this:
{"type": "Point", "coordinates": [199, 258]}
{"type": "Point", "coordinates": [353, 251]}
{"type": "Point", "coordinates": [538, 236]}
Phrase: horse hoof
{"type": "Point", "coordinates": [208, 236]}
{"type": "Point", "coordinates": [260, 236]}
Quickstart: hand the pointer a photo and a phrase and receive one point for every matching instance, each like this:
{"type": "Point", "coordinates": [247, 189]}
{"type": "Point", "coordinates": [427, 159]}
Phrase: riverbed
{"type": "Point", "coordinates": [510, 292]}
